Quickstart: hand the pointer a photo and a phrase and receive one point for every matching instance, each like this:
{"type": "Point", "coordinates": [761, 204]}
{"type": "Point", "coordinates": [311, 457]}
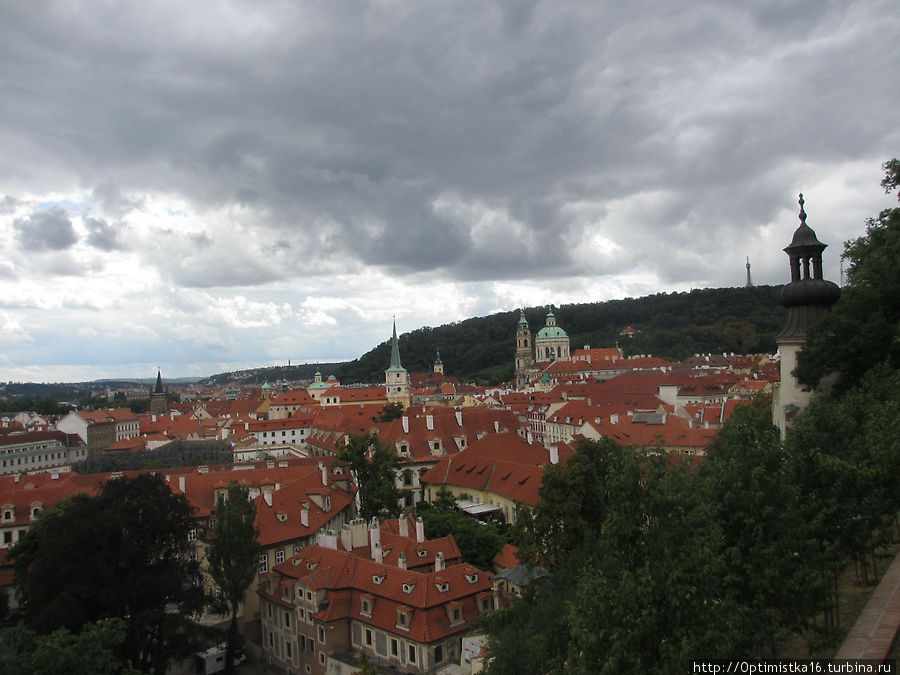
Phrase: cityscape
{"type": "Point", "coordinates": [388, 337]}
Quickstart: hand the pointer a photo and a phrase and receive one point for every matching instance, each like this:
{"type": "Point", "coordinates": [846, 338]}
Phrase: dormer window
{"type": "Point", "coordinates": [282, 517]}
{"type": "Point", "coordinates": [9, 513]}
{"type": "Point", "coordinates": [408, 588]}
{"type": "Point", "coordinates": [421, 552]}
{"type": "Point", "coordinates": [378, 580]}
{"type": "Point", "coordinates": [366, 604]}
{"type": "Point", "coordinates": [403, 619]}
{"type": "Point", "coordinates": [472, 578]}
{"type": "Point", "coordinates": [442, 586]}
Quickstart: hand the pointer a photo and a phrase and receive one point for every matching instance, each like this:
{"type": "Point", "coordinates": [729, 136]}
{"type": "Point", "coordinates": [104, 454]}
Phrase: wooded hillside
{"type": "Point", "coordinates": [671, 325]}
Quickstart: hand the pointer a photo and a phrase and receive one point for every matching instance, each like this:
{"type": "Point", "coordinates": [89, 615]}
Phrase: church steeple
{"type": "Point", "coordinates": [395, 351]}
{"type": "Point", "coordinates": [396, 379]}
{"type": "Point", "coordinates": [438, 365]}
{"type": "Point", "coordinates": [159, 398]}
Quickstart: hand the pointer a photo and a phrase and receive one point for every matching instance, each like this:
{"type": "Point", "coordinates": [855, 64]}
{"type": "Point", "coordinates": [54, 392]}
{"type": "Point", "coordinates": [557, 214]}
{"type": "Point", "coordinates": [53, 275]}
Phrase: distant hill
{"type": "Point", "coordinates": [270, 374]}
{"type": "Point", "coordinates": [670, 325]}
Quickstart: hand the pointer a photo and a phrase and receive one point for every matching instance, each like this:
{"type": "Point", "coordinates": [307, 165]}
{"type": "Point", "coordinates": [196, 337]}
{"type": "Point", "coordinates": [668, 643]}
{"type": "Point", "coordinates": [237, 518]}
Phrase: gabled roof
{"type": "Point", "coordinates": [423, 597]}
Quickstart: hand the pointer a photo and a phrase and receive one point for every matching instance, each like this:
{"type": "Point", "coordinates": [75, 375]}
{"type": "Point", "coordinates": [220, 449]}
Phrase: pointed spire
{"type": "Point", "coordinates": [437, 358]}
{"type": "Point", "coordinates": [158, 389]}
{"type": "Point", "coordinates": [395, 351]}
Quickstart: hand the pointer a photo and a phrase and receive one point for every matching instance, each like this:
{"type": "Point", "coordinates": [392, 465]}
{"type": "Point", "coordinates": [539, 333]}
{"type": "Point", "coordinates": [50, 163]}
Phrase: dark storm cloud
{"type": "Point", "coordinates": [47, 230]}
{"type": "Point", "coordinates": [453, 138]}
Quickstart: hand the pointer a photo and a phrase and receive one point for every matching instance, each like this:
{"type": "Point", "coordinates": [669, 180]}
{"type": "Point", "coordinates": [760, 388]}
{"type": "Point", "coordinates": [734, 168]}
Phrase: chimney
{"type": "Point", "coordinates": [153, 418]}
{"type": "Point", "coordinates": [530, 438]}
{"type": "Point", "coordinates": [404, 526]}
{"type": "Point", "coordinates": [439, 562]}
{"type": "Point", "coordinates": [377, 553]}
{"type": "Point", "coordinates": [304, 514]}
{"type": "Point", "coordinates": [181, 484]}
{"type": "Point", "coordinates": [267, 495]}
{"type": "Point", "coordinates": [405, 421]}
{"type": "Point", "coordinates": [401, 560]}
{"type": "Point", "coordinates": [358, 532]}
{"type": "Point", "coordinates": [375, 539]}
{"type": "Point", "coordinates": [420, 530]}
{"type": "Point", "coordinates": [554, 454]}
{"type": "Point", "coordinates": [614, 418]}
{"type": "Point", "coordinates": [496, 427]}
{"type": "Point", "coordinates": [324, 471]}
{"type": "Point", "coordinates": [459, 417]}
{"type": "Point", "coordinates": [347, 536]}
{"type": "Point", "coordinates": [429, 422]}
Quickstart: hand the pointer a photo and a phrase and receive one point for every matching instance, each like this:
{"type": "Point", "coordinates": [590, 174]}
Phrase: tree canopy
{"type": "Point", "coordinates": [123, 553]}
{"type": "Point", "coordinates": [863, 326]}
{"type": "Point", "coordinates": [233, 554]}
{"type": "Point", "coordinates": [374, 467]}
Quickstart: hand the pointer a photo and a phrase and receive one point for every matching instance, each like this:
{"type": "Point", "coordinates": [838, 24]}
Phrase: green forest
{"type": "Point", "coordinates": [672, 326]}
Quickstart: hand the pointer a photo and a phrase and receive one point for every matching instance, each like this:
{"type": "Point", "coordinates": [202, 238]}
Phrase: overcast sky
{"type": "Point", "coordinates": [205, 186]}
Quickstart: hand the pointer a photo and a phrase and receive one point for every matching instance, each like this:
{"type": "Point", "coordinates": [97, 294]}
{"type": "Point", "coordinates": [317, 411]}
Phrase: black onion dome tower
{"type": "Point", "coordinates": [806, 297]}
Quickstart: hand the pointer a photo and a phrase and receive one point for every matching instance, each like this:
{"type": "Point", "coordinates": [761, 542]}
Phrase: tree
{"type": "Point", "coordinates": [374, 467]}
{"type": "Point", "coordinates": [863, 325]}
{"type": "Point", "coordinates": [770, 563]}
{"type": "Point", "coordinates": [123, 553]}
{"type": "Point", "coordinates": [233, 554]}
{"type": "Point", "coordinates": [391, 412]}
{"type": "Point", "coordinates": [94, 650]}
{"type": "Point", "coordinates": [478, 543]}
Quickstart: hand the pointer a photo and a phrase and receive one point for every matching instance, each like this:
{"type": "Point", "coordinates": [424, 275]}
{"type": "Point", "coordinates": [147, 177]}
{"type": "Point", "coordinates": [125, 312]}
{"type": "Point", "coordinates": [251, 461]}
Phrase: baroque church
{"type": "Point", "coordinates": [533, 354]}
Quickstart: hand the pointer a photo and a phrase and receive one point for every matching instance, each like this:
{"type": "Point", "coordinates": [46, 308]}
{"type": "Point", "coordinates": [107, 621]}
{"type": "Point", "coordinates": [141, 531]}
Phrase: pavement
{"type": "Point", "coordinates": [875, 631]}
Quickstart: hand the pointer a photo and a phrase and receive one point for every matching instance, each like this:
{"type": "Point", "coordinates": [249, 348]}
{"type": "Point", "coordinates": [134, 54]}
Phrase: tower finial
{"type": "Point", "coordinates": [802, 212]}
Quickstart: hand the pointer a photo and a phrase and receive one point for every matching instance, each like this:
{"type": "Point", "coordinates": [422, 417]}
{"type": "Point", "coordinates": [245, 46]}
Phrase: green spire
{"type": "Point", "coordinates": [395, 351]}
{"type": "Point", "coordinates": [437, 358]}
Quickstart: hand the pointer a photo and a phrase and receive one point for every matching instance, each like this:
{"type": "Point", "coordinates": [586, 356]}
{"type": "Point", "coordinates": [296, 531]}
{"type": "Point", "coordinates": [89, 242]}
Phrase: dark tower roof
{"type": "Point", "coordinates": [158, 389]}
{"type": "Point", "coordinates": [808, 294]}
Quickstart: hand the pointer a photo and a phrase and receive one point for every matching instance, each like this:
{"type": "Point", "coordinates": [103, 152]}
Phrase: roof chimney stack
{"type": "Point", "coordinates": [439, 562]}
{"type": "Point", "coordinates": [401, 560]}
{"type": "Point", "coordinates": [420, 530]}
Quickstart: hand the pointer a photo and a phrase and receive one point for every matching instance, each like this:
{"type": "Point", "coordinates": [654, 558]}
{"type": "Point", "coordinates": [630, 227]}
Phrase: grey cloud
{"type": "Point", "coordinates": [102, 235]}
{"type": "Point", "coordinates": [47, 230]}
{"type": "Point", "coordinates": [337, 130]}
{"type": "Point", "coordinates": [8, 204]}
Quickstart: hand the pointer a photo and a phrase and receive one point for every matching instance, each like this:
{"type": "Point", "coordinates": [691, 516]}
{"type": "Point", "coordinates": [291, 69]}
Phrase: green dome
{"type": "Point", "coordinates": [551, 332]}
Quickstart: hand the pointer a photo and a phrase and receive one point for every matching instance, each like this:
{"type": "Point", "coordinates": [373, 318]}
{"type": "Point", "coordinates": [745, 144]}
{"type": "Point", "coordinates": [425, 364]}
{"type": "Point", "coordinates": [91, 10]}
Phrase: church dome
{"type": "Point", "coordinates": [551, 332]}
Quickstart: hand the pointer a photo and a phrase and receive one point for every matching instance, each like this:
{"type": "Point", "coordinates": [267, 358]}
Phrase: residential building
{"type": "Point", "coordinates": [326, 605]}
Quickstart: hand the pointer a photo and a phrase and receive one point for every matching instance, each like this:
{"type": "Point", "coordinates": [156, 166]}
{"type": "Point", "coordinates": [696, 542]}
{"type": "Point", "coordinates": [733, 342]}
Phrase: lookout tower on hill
{"type": "Point", "coordinates": [807, 297]}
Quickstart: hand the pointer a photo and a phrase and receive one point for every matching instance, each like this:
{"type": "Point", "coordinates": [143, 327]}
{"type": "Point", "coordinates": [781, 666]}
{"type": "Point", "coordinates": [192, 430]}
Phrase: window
{"type": "Point", "coordinates": [412, 653]}
{"type": "Point", "coordinates": [368, 636]}
{"type": "Point", "coordinates": [263, 563]}
{"type": "Point", "coordinates": [279, 557]}
{"type": "Point", "coordinates": [438, 654]}
{"type": "Point", "coordinates": [321, 634]}
{"type": "Point", "coordinates": [287, 619]}
{"type": "Point", "coordinates": [289, 652]}
{"type": "Point", "coordinates": [192, 534]}
{"type": "Point", "coordinates": [395, 647]}
{"type": "Point", "coordinates": [457, 614]}
{"type": "Point", "coordinates": [322, 658]}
